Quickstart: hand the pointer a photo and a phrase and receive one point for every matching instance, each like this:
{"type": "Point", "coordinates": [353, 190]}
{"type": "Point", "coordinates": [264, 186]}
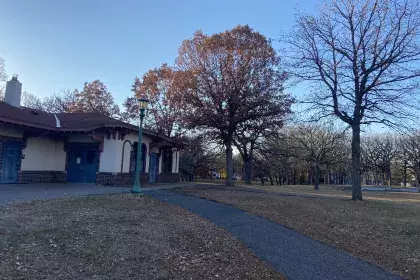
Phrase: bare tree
{"type": "Point", "coordinates": [196, 157]}
{"type": "Point", "coordinates": [32, 101]}
{"type": "Point", "coordinates": [410, 150]}
{"type": "Point", "coordinates": [316, 145]}
{"type": "Point", "coordinates": [378, 153]}
{"type": "Point", "coordinates": [262, 167]}
{"type": "Point", "coordinates": [301, 153]}
{"type": "Point", "coordinates": [62, 102]}
{"type": "Point", "coordinates": [361, 59]}
{"type": "Point", "coordinates": [250, 134]}
{"type": "Point", "coordinates": [401, 158]}
{"type": "Point", "coordinates": [278, 151]}
{"type": "Point", "coordinates": [3, 77]}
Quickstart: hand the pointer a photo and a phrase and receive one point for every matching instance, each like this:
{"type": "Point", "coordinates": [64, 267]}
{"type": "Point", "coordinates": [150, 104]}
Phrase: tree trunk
{"type": "Point", "coordinates": [229, 165]}
{"type": "Point", "coordinates": [316, 179]}
{"type": "Point", "coordinates": [405, 174]}
{"type": "Point", "coordinates": [416, 174]}
{"type": "Point", "coordinates": [271, 179]}
{"type": "Point", "coordinates": [247, 163]}
{"type": "Point", "coordinates": [355, 163]}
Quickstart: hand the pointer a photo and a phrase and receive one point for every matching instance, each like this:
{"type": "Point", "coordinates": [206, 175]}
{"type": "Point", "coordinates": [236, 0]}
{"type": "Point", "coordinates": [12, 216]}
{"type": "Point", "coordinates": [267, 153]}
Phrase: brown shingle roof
{"type": "Point", "coordinates": [88, 121]}
{"type": "Point", "coordinates": [68, 121]}
{"type": "Point", "coordinates": [27, 117]}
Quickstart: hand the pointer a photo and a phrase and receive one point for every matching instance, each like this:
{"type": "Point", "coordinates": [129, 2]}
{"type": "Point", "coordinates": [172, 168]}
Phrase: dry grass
{"type": "Point", "coordinates": [119, 237]}
{"type": "Point", "coordinates": [384, 233]}
{"type": "Point", "coordinates": [340, 192]}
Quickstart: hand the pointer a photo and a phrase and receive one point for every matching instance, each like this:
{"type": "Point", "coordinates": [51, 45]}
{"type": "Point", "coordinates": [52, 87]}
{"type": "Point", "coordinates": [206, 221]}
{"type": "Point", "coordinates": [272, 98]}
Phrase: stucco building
{"type": "Point", "coordinates": [41, 147]}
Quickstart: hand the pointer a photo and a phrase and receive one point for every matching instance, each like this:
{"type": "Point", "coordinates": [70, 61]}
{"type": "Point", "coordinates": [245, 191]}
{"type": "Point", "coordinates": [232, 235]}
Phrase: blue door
{"type": "Point", "coordinates": [74, 167]}
{"type": "Point", "coordinates": [154, 167]}
{"type": "Point", "coordinates": [90, 164]}
{"type": "Point", "coordinates": [11, 157]}
{"type": "Point", "coordinates": [82, 164]}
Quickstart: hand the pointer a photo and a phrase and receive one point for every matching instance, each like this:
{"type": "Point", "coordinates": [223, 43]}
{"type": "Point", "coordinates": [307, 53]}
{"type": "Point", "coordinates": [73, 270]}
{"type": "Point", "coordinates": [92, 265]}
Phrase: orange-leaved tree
{"type": "Point", "coordinates": [230, 79]}
{"type": "Point", "coordinates": [161, 87]}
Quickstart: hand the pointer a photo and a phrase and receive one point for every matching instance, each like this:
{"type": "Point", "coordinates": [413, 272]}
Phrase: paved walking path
{"type": "Point", "coordinates": [292, 254]}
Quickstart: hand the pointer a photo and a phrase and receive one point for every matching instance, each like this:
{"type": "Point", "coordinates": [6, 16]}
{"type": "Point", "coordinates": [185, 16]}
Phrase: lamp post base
{"type": "Point", "coordinates": [136, 189]}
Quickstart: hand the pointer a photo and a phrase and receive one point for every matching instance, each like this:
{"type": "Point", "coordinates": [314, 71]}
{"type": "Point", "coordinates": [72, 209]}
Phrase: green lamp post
{"type": "Point", "coordinates": [143, 102]}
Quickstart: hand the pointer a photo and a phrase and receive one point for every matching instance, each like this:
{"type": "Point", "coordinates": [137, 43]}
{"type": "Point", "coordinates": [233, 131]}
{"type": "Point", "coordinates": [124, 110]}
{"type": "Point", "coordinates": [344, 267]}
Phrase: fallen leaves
{"type": "Point", "coordinates": [119, 237]}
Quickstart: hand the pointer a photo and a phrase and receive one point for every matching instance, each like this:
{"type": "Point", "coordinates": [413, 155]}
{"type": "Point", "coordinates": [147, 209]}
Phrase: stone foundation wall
{"type": "Point", "coordinates": [29, 177]}
{"type": "Point", "coordinates": [168, 178]}
{"type": "Point", "coordinates": [119, 179]}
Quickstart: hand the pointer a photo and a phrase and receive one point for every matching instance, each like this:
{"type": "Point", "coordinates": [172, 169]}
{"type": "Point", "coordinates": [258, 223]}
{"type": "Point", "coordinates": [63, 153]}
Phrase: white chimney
{"type": "Point", "coordinates": [13, 92]}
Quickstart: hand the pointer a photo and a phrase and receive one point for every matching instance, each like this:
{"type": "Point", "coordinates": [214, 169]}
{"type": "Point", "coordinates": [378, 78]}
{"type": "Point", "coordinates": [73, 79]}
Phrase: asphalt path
{"type": "Point", "coordinates": [294, 255]}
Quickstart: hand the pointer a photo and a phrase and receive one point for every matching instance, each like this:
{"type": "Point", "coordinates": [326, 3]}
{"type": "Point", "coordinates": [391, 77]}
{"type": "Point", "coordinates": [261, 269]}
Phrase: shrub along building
{"type": "Point", "coordinates": [41, 147]}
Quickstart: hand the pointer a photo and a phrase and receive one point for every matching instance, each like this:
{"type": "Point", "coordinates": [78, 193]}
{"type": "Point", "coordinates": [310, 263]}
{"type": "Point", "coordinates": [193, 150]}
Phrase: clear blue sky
{"type": "Point", "coordinates": [55, 45]}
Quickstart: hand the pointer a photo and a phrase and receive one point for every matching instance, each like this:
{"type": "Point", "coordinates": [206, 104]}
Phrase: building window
{"type": "Point", "coordinates": [90, 157]}
{"type": "Point", "coordinates": [143, 157]}
{"type": "Point", "coordinates": [167, 160]}
{"type": "Point", "coordinates": [133, 157]}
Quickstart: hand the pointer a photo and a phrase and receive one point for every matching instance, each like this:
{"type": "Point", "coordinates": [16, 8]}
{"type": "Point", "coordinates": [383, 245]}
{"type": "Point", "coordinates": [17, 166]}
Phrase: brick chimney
{"type": "Point", "coordinates": [13, 92]}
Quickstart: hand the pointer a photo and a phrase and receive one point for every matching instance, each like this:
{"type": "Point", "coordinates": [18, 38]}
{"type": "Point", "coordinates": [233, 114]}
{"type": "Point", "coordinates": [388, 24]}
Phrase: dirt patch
{"type": "Point", "coordinates": [384, 233]}
{"type": "Point", "coordinates": [119, 237]}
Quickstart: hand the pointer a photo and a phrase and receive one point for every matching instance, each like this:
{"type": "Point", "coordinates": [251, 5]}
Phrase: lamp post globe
{"type": "Point", "coordinates": [143, 102]}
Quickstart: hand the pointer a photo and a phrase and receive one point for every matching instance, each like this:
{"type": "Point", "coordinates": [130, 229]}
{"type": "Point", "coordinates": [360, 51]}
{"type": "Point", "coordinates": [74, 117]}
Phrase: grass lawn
{"type": "Point", "coordinates": [376, 230]}
{"type": "Point", "coordinates": [326, 190]}
{"type": "Point", "coordinates": [119, 237]}
{"type": "Point", "coordinates": [340, 192]}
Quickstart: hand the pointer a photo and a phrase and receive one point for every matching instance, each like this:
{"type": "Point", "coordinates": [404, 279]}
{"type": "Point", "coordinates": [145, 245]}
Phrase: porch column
{"type": "Point", "coordinates": [177, 161]}
{"type": "Point", "coordinates": [147, 157]}
{"type": "Point", "coordinates": [174, 160]}
{"type": "Point", "coordinates": [160, 161]}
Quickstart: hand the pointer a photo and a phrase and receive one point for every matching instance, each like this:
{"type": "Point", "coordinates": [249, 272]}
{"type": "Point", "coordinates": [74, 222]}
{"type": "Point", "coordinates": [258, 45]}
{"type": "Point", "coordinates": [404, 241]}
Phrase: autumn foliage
{"type": "Point", "coordinates": [162, 87]}
{"type": "Point", "coordinates": [233, 78]}
{"type": "Point", "coordinates": [93, 98]}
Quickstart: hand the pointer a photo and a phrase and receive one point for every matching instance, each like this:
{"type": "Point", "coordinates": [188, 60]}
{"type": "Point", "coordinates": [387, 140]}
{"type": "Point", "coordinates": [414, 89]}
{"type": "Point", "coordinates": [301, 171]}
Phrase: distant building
{"type": "Point", "coordinates": [219, 174]}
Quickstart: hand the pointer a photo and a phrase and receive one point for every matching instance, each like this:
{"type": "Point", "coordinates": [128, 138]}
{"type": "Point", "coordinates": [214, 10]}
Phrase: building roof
{"type": "Point", "coordinates": [69, 122]}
